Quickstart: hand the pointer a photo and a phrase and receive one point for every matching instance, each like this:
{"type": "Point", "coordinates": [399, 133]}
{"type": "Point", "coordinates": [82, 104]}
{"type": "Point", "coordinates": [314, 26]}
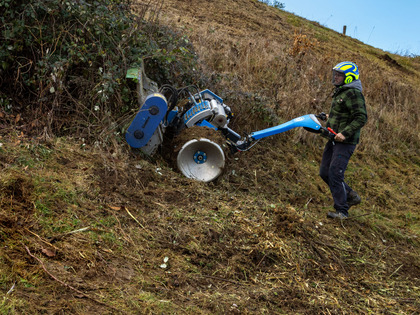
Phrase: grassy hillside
{"type": "Point", "coordinates": [90, 228]}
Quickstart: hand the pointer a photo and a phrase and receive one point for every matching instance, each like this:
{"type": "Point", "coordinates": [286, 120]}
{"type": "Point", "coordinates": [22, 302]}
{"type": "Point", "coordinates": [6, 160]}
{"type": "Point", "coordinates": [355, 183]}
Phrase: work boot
{"type": "Point", "coordinates": [353, 199]}
{"type": "Point", "coordinates": [337, 215]}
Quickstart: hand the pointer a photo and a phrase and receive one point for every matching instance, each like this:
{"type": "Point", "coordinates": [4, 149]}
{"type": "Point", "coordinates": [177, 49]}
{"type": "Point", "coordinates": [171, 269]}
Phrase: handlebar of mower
{"type": "Point", "coordinates": [329, 133]}
{"type": "Point", "coordinates": [332, 131]}
{"type": "Point", "coordinates": [322, 116]}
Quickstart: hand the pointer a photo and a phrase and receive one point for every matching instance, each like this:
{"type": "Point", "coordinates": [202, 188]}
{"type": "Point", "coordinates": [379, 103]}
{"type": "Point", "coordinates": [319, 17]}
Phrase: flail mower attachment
{"type": "Point", "coordinates": [199, 158]}
{"type": "Point", "coordinates": [144, 131]}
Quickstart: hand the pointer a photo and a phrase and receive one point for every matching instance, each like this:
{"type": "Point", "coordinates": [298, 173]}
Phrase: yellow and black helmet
{"type": "Point", "coordinates": [348, 69]}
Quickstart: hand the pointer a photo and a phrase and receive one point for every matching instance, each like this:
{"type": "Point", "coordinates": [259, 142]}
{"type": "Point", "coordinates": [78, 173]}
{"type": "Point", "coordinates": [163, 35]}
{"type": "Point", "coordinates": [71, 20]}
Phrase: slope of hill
{"type": "Point", "coordinates": [87, 229]}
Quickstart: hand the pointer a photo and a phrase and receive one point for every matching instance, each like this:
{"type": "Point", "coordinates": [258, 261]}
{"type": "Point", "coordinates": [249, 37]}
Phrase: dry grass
{"type": "Point", "coordinates": [109, 232]}
{"type": "Point", "coordinates": [99, 226]}
{"type": "Point", "coordinates": [291, 67]}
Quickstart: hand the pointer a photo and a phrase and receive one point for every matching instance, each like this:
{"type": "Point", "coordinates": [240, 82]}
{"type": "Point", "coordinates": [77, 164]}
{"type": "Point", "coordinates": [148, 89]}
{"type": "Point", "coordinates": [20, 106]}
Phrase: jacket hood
{"type": "Point", "coordinates": [357, 84]}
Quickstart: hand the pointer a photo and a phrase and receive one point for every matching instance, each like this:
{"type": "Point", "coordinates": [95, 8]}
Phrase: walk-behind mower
{"type": "Point", "coordinates": [175, 111]}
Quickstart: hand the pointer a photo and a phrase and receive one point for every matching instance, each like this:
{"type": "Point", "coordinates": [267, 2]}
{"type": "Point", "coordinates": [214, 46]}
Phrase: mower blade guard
{"type": "Point", "coordinates": [147, 120]}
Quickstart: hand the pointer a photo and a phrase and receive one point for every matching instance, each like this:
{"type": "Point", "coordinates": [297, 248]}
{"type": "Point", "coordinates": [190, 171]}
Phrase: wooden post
{"type": "Point", "coordinates": [344, 29]}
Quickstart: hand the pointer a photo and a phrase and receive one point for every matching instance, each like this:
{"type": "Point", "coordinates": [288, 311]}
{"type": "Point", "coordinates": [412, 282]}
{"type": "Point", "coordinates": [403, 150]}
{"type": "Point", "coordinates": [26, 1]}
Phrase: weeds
{"type": "Point", "coordinates": [255, 241]}
{"type": "Point", "coordinates": [274, 3]}
{"type": "Point", "coordinates": [75, 70]}
{"type": "Point", "coordinates": [301, 44]}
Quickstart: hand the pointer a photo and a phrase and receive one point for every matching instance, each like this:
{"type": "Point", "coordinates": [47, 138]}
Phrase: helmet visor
{"type": "Point", "coordinates": [338, 77]}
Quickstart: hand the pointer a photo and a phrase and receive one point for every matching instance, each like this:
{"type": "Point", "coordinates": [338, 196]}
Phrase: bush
{"type": "Point", "coordinates": [274, 3]}
{"type": "Point", "coordinates": [63, 63]}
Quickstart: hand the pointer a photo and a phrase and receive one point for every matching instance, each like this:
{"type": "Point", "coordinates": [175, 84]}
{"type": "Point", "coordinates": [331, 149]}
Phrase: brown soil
{"type": "Point", "coordinates": [88, 231]}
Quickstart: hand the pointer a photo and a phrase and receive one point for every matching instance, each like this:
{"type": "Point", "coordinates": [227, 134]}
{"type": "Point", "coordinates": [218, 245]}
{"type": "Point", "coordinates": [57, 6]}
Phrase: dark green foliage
{"type": "Point", "coordinates": [274, 3]}
{"type": "Point", "coordinates": [63, 63]}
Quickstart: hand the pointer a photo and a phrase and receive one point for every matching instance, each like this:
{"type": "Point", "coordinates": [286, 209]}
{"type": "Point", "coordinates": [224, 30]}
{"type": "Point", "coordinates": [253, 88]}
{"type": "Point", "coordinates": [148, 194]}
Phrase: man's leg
{"type": "Point", "coordinates": [339, 161]}
{"type": "Point", "coordinates": [324, 168]}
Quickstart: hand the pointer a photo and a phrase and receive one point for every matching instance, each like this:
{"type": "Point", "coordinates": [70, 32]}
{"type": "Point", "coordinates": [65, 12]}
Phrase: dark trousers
{"type": "Point", "coordinates": [334, 162]}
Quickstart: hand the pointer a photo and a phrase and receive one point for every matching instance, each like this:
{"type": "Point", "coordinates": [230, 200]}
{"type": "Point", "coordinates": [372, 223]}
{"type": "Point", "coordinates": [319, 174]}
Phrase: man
{"type": "Point", "coordinates": [347, 116]}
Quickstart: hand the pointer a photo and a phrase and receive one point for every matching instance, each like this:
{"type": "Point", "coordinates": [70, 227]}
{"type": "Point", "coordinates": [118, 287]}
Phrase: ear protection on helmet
{"type": "Point", "coordinates": [348, 79]}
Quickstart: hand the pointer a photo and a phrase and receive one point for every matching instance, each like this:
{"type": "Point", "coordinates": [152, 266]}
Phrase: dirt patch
{"type": "Point", "coordinates": [19, 189]}
{"type": "Point", "coordinates": [288, 221]}
{"type": "Point", "coordinates": [197, 133]}
{"type": "Point", "coordinates": [390, 61]}
{"type": "Point", "coordinates": [16, 202]}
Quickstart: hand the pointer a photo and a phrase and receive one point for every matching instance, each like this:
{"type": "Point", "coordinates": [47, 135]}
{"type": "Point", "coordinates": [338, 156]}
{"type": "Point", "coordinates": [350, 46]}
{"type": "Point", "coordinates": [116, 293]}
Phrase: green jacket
{"type": "Point", "coordinates": [348, 111]}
